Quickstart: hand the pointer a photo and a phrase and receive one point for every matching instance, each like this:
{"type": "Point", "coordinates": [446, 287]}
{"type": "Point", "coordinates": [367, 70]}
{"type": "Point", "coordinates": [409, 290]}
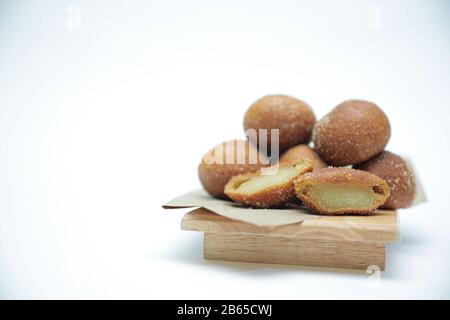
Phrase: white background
{"type": "Point", "coordinates": [103, 121]}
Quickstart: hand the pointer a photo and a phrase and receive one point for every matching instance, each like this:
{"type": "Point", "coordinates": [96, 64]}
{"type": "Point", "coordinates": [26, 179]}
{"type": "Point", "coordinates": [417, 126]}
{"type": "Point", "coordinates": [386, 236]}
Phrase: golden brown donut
{"type": "Point", "coordinates": [398, 175]}
{"type": "Point", "coordinates": [302, 151]}
{"type": "Point", "coordinates": [267, 191]}
{"type": "Point", "coordinates": [226, 160]}
{"type": "Point", "coordinates": [334, 191]}
{"type": "Point", "coordinates": [351, 133]}
{"type": "Point", "coordinates": [294, 119]}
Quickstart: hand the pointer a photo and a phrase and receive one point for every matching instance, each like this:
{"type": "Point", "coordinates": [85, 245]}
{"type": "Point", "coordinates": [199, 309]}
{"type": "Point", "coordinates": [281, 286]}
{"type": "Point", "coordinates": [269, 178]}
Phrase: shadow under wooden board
{"type": "Point", "coordinates": [349, 242]}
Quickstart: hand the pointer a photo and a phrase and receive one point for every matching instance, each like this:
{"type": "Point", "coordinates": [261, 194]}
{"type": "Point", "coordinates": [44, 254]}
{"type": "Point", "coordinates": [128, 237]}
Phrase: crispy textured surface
{"type": "Point", "coordinates": [214, 176]}
{"type": "Point", "coordinates": [351, 133]}
{"type": "Point", "coordinates": [274, 196]}
{"type": "Point", "coordinates": [302, 151]}
{"type": "Point", "coordinates": [294, 118]}
{"type": "Point", "coordinates": [398, 175]}
{"type": "Point", "coordinates": [340, 177]}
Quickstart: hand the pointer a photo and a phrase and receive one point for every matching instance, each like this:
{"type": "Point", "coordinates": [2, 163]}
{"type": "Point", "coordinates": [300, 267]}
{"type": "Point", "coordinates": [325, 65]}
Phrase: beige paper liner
{"type": "Point", "coordinates": [420, 196]}
{"type": "Point", "coordinates": [259, 217]}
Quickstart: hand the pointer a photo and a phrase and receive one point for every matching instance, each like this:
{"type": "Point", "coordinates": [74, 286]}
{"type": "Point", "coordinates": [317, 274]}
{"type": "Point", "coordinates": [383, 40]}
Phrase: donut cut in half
{"type": "Point", "coordinates": [260, 190]}
{"type": "Point", "coordinates": [334, 191]}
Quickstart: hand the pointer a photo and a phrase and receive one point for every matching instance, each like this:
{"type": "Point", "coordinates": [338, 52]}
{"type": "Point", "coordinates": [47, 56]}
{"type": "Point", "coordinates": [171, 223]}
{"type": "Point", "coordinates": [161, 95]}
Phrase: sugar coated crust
{"type": "Point", "coordinates": [302, 151]}
{"type": "Point", "coordinates": [214, 176]}
{"type": "Point", "coordinates": [293, 117]}
{"type": "Point", "coordinates": [398, 175]}
{"type": "Point", "coordinates": [353, 132]}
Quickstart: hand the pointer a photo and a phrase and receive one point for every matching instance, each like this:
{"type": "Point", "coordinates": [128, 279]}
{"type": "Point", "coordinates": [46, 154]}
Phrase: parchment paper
{"type": "Point", "coordinates": [259, 217]}
{"type": "Point", "coordinates": [420, 196]}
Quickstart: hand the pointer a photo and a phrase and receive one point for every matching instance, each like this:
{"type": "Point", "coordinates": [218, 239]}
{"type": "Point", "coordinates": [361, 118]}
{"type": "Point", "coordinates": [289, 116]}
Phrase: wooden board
{"type": "Point", "coordinates": [382, 226]}
{"type": "Point", "coordinates": [350, 242]}
{"type": "Point", "coordinates": [293, 251]}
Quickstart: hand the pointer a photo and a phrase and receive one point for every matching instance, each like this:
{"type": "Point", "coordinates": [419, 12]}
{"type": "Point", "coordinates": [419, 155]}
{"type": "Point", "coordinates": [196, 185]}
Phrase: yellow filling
{"type": "Point", "coordinates": [343, 196]}
{"type": "Point", "coordinates": [263, 182]}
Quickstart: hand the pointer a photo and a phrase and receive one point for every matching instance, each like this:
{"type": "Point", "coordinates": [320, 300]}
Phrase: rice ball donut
{"type": "Point", "coordinates": [398, 175]}
{"type": "Point", "coordinates": [302, 151]}
{"type": "Point", "coordinates": [294, 118]}
{"type": "Point", "coordinates": [225, 161]}
{"type": "Point", "coordinates": [353, 132]}
{"type": "Point", "coordinates": [267, 191]}
{"type": "Point", "coordinates": [334, 191]}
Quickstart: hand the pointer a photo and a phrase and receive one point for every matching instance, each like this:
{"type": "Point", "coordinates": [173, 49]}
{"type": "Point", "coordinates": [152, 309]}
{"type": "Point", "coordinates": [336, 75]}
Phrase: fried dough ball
{"type": "Point", "coordinates": [353, 132]}
{"type": "Point", "coordinates": [334, 191]}
{"type": "Point", "coordinates": [398, 175]}
{"type": "Point", "coordinates": [302, 151]}
{"type": "Point", "coordinates": [226, 160]}
{"type": "Point", "coordinates": [267, 191]}
{"type": "Point", "coordinates": [294, 119]}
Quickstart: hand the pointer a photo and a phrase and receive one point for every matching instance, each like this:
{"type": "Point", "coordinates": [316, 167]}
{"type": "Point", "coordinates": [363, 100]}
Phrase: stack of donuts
{"type": "Point", "coordinates": [337, 165]}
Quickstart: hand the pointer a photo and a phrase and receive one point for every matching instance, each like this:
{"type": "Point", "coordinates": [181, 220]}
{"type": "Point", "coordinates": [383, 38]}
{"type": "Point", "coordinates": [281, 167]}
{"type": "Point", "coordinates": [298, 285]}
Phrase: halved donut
{"type": "Point", "coordinates": [334, 191]}
{"type": "Point", "coordinates": [267, 188]}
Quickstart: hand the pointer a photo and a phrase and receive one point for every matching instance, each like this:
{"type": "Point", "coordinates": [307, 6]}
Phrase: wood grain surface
{"type": "Point", "coordinates": [382, 226]}
{"type": "Point", "coordinates": [294, 251]}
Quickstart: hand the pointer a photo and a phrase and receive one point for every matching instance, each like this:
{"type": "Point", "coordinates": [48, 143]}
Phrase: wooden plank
{"type": "Point", "coordinates": [293, 251]}
{"type": "Point", "coordinates": [382, 226]}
